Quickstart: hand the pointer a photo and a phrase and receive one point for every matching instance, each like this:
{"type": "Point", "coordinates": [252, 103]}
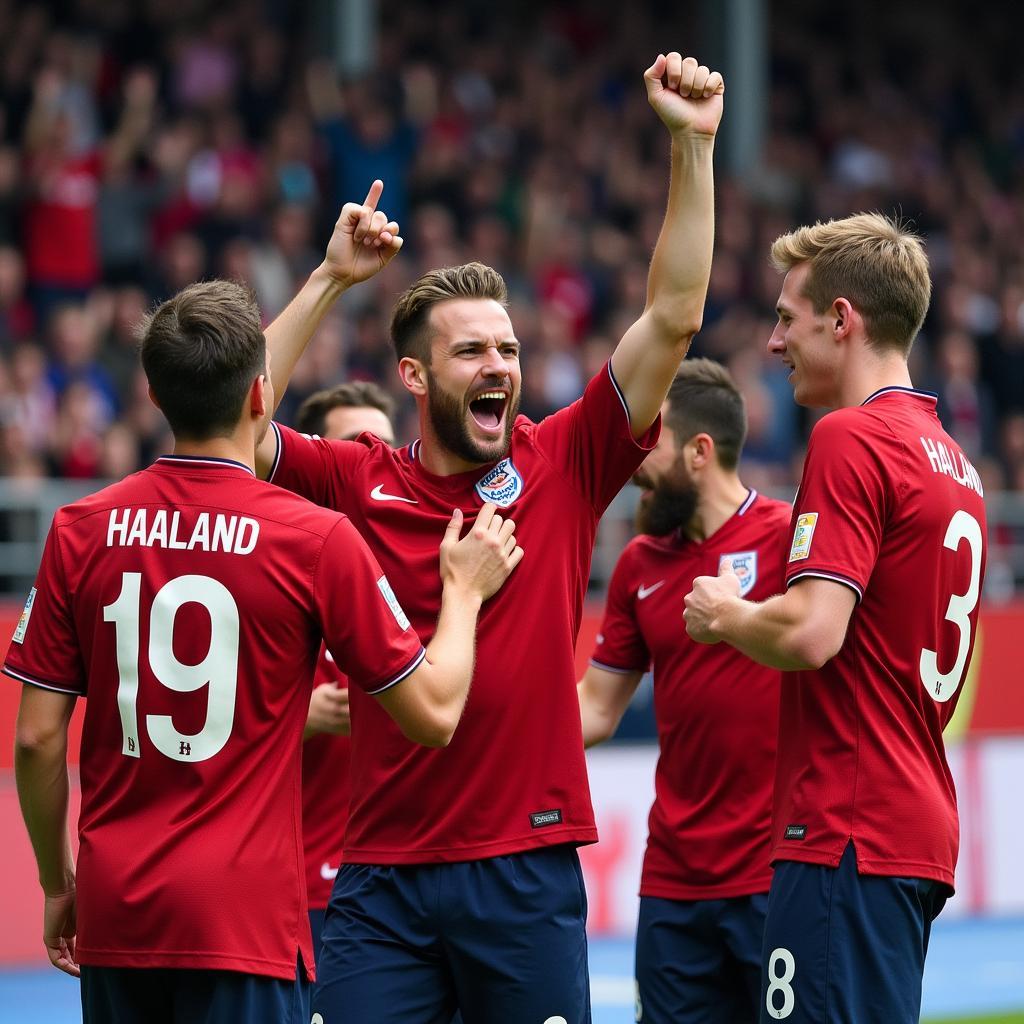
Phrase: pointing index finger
{"type": "Point", "coordinates": [373, 196]}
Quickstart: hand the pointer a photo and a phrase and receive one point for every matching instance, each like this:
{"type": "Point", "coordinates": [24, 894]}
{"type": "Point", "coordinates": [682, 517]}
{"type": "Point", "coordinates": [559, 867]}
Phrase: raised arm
{"type": "Point", "coordinates": [688, 99]}
{"type": "Point", "coordinates": [364, 241]}
{"type": "Point", "coordinates": [604, 696]}
{"type": "Point", "coordinates": [800, 629]}
{"type": "Point", "coordinates": [428, 704]}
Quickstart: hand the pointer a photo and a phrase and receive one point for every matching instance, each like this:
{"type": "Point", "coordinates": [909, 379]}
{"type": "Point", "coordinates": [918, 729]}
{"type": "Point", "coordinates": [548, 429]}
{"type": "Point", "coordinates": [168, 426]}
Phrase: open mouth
{"type": "Point", "coordinates": [488, 409]}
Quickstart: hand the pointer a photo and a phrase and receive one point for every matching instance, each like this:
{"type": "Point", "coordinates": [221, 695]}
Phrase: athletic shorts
{"type": "Point", "coordinates": [845, 948]}
{"type": "Point", "coordinates": [166, 995]}
{"type": "Point", "coordinates": [501, 939]}
{"type": "Point", "coordinates": [699, 961]}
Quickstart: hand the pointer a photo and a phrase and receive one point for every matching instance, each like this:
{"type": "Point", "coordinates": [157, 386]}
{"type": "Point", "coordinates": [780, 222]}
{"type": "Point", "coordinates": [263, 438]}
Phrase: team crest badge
{"type": "Point", "coordinates": [502, 485]}
{"type": "Point", "coordinates": [744, 564]}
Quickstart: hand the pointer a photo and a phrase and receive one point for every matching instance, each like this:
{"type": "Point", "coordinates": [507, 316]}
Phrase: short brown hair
{"type": "Point", "coordinates": [409, 319]}
{"type": "Point", "coordinates": [704, 399]}
{"type": "Point", "coordinates": [871, 260]}
{"type": "Point", "coordinates": [354, 394]}
{"type": "Point", "coordinates": [201, 351]}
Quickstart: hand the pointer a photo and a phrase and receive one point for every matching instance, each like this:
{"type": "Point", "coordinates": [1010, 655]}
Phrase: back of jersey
{"type": "Point", "coordinates": [891, 507]}
{"type": "Point", "coordinates": [186, 604]}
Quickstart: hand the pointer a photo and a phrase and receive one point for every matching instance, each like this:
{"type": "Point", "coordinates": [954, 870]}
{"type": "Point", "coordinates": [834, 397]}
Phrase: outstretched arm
{"type": "Point", "coordinates": [364, 242]}
{"type": "Point", "coordinates": [688, 99]}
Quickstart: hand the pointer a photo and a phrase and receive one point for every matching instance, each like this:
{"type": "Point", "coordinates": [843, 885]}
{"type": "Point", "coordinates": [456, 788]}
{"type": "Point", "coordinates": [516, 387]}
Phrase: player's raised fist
{"type": "Point", "coordinates": [686, 95]}
{"type": "Point", "coordinates": [701, 606]}
{"type": "Point", "coordinates": [364, 240]}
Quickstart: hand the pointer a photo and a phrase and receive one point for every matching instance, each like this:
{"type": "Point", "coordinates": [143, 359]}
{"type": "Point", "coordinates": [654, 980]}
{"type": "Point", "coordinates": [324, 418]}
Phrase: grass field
{"type": "Point", "coordinates": [999, 1018]}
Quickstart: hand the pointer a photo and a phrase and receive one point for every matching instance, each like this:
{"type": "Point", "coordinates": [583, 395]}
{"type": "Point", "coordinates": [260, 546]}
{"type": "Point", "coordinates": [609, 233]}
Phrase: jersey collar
{"type": "Point", "coordinates": [900, 389]}
{"type": "Point", "coordinates": [202, 460]}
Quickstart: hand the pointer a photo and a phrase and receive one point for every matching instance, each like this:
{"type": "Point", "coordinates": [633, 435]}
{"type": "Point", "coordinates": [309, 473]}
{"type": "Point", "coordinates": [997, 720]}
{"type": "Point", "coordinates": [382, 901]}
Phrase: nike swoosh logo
{"type": "Point", "coordinates": [379, 495]}
{"type": "Point", "coordinates": [327, 873]}
{"type": "Point", "coordinates": [643, 591]}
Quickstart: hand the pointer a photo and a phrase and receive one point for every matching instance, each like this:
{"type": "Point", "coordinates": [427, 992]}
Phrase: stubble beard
{"type": "Point", "coordinates": [448, 418]}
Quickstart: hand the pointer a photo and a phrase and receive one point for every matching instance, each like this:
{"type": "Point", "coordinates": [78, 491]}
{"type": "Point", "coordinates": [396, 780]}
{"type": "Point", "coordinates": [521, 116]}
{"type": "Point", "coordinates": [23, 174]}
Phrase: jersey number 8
{"type": "Point", "coordinates": [218, 670]}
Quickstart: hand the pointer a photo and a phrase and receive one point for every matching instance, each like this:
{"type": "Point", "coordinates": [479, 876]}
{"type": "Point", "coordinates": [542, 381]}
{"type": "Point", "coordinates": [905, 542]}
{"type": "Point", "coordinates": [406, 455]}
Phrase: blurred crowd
{"type": "Point", "coordinates": [148, 143]}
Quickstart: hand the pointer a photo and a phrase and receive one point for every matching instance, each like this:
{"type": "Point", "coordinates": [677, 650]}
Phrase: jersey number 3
{"type": "Point", "coordinates": [942, 685]}
{"type": "Point", "coordinates": [218, 670]}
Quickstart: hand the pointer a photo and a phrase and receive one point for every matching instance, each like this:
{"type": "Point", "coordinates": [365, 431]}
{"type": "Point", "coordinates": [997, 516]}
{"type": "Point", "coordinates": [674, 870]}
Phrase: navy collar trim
{"type": "Point", "coordinates": [204, 460]}
{"type": "Point", "coordinates": [900, 388]}
{"type": "Point", "coordinates": [747, 502]}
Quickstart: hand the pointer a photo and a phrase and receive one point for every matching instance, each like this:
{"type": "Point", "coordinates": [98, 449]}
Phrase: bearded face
{"type": "Point", "coordinates": [476, 426]}
{"type": "Point", "coordinates": [668, 501]}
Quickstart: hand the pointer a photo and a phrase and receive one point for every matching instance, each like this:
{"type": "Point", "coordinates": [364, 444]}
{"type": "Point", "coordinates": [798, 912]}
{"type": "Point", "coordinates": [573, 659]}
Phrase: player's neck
{"type": "Point", "coordinates": [720, 497]}
{"type": "Point", "coordinates": [234, 448]}
{"type": "Point", "coordinates": [863, 378]}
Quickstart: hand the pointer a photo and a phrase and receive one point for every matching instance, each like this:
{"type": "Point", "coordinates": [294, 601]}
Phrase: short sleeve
{"type": "Point", "coordinates": [620, 645]}
{"type": "Point", "coordinates": [363, 625]}
{"type": "Point", "coordinates": [591, 442]}
{"type": "Point", "coordinates": [843, 501]}
{"type": "Point", "coordinates": [44, 650]}
{"type": "Point", "coordinates": [316, 468]}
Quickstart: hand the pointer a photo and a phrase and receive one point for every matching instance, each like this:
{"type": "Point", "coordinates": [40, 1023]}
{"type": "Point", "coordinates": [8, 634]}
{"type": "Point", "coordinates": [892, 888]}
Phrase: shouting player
{"type": "Point", "coordinates": [876, 627]}
{"type": "Point", "coordinates": [187, 603]}
{"type": "Point", "coordinates": [460, 885]}
{"type": "Point", "coordinates": [343, 412]}
{"type": "Point", "coordinates": [704, 889]}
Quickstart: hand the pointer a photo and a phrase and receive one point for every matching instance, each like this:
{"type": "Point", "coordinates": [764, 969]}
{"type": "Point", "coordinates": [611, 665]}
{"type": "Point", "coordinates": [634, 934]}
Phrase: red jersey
{"type": "Point", "coordinates": [717, 711]}
{"type": "Point", "coordinates": [325, 793]}
{"type": "Point", "coordinates": [187, 604]}
{"type": "Point", "coordinates": [514, 776]}
{"type": "Point", "coordinates": [889, 506]}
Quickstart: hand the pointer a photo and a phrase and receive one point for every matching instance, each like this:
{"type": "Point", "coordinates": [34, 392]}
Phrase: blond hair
{"type": "Point", "coordinates": [872, 261]}
{"type": "Point", "coordinates": [409, 319]}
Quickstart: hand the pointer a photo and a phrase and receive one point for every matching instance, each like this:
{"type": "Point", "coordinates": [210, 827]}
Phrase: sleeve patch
{"type": "Point", "coordinates": [802, 536]}
{"type": "Point", "coordinates": [22, 627]}
{"type": "Point", "coordinates": [396, 609]}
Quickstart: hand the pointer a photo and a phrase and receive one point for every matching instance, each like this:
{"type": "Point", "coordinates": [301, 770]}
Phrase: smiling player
{"type": "Point", "coordinates": [460, 885]}
{"type": "Point", "coordinates": [876, 627]}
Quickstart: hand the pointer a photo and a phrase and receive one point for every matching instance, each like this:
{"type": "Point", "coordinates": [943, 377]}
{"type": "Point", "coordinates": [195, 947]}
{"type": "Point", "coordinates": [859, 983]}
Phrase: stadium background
{"type": "Point", "coordinates": [147, 144]}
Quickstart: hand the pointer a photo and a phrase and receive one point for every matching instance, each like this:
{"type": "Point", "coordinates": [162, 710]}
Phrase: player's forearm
{"type": "Point", "coordinates": [289, 334]}
{"type": "Point", "coordinates": [677, 282]}
{"type": "Point", "coordinates": [41, 773]}
{"type": "Point", "coordinates": [778, 632]}
{"type": "Point", "coordinates": [450, 657]}
{"type": "Point", "coordinates": [598, 723]}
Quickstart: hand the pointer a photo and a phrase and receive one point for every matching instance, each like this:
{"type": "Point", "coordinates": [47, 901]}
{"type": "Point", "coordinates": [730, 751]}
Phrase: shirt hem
{"type": "Point", "coordinates": [480, 851]}
{"type": "Point", "coordinates": [866, 865]}
{"type": "Point", "coordinates": [707, 892]}
{"type": "Point", "coordinates": [192, 961]}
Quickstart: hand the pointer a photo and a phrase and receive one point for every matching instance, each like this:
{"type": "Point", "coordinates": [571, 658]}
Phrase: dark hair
{"type": "Point", "coordinates": [409, 319]}
{"type": "Point", "coordinates": [354, 394]}
{"type": "Point", "coordinates": [704, 399]}
{"type": "Point", "coordinates": [201, 351]}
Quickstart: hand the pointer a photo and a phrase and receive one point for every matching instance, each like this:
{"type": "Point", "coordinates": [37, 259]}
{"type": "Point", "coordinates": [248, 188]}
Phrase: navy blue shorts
{"type": "Point", "coordinates": [699, 961]}
{"type": "Point", "coordinates": [164, 995]}
{"type": "Point", "coordinates": [502, 939]}
{"type": "Point", "coordinates": [316, 926]}
{"type": "Point", "coordinates": [844, 947]}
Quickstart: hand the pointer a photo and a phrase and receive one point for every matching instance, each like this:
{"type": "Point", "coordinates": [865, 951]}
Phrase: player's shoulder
{"type": "Point", "coordinates": [123, 492]}
{"type": "Point", "coordinates": [859, 427]}
{"type": "Point", "coordinates": [290, 511]}
{"type": "Point", "coordinates": [767, 509]}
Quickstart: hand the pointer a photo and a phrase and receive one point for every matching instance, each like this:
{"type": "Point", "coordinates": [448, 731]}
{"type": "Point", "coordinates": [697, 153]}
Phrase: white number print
{"type": "Point", "coordinates": [942, 685]}
{"type": "Point", "coordinates": [218, 671]}
{"type": "Point", "coordinates": [780, 983]}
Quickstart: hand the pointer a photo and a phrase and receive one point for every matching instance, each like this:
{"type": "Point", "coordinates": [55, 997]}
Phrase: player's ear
{"type": "Point", "coordinates": [843, 314]}
{"type": "Point", "coordinates": [258, 397]}
{"type": "Point", "coordinates": [413, 374]}
{"type": "Point", "coordinates": [703, 450]}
